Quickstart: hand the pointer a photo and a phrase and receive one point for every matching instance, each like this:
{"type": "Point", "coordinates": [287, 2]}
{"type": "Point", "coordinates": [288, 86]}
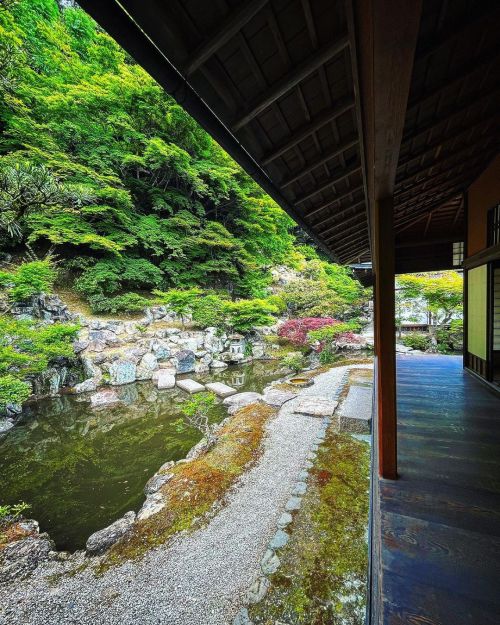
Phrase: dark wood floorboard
{"type": "Point", "coordinates": [441, 520]}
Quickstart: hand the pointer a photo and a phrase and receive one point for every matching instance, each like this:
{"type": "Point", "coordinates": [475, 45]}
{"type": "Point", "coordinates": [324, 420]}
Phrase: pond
{"type": "Point", "coordinates": [80, 469]}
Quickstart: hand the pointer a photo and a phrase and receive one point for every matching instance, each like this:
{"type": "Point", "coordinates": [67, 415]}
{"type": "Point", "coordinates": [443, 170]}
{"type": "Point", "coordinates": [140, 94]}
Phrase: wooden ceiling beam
{"type": "Point", "coordinates": [457, 132]}
{"type": "Point", "coordinates": [342, 224]}
{"type": "Point", "coordinates": [425, 207]}
{"type": "Point", "coordinates": [227, 30]}
{"type": "Point", "coordinates": [488, 58]}
{"type": "Point", "coordinates": [290, 80]}
{"type": "Point", "coordinates": [337, 214]}
{"type": "Point", "coordinates": [449, 157]}
{"type": "Point", "coordinates": [338, 150]}
{"type": "Point", "coordinates": [445, 39]}
{"type": "Point", "coordinates": [352, 239]}
{"type": "Point", "coordinates": [344, 174]}
{"type": "Point", "coordinates": [448, 114]}
{"type": "Point", "coordinates": [308, 129]}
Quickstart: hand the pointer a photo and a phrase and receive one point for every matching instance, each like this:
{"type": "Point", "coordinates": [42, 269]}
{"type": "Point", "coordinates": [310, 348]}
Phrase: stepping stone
{"type": "Point", "coordinates": [279, 540]}
{"type": "Point", "coordinates": [293, 503]}
{"type": "Point", "coordinates": [300, 488]}
{"type": "Point", "coordinates": [242, 618]}
{"type": "Point", "coordinates": [235, 402]}
{"type": "Point", "coordinates": [220, 389]}
{"type": "Point", "coordinates": [165, 378]}
{"type": "Point", "coordinates": [270, 562]}
{"type": "Point", "coordinates": [275, 397]}
{"type": "Point", "coordinates": [356, 410]}
{"type": "Point", "coordinates": [257, 590]}
{"type": "Point", "coordinates": [285, 519]}
{"type": "Point", "coordinates": [316, 406]}
{"type": "Point", "coordinates": [191, 386]}
{"type": "Point", "coordinates": [303, 476]}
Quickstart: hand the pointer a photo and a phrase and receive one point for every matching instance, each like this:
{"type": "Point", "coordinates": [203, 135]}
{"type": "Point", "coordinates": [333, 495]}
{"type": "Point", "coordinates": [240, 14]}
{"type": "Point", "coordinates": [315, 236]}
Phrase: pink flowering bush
{"type": "Point", "coordinates": [296, 330]}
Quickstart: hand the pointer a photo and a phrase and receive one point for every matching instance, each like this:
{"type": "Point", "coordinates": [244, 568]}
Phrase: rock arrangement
{"type": "Point", "coordinates": [120, 352]}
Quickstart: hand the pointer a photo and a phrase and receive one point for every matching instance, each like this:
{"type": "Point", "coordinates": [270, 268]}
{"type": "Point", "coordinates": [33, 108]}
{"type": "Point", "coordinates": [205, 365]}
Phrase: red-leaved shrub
{"type": "Point", "coordinates": [296, 330]}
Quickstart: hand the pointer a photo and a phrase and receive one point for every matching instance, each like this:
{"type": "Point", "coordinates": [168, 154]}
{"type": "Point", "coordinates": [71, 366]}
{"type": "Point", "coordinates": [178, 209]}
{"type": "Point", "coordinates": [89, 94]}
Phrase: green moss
{"type": "Point", "coordinates": [322, 577]}
{"type": "Point", "coordinates": [197, 485]}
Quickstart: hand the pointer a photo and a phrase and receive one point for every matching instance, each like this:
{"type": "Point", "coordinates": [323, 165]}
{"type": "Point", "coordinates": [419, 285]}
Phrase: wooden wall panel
{"type": "Point", "coordinates": [482, 195]}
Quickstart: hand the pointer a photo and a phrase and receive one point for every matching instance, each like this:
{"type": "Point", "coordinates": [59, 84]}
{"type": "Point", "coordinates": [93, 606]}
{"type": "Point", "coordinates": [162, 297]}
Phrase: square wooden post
{"type": "Point", "coordinates": [385, 337]}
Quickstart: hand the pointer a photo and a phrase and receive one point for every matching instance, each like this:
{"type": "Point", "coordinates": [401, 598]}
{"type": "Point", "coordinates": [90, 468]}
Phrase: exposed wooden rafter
{"type": "Point", "coordinates": [228, 29]}
{"type": "Point", "coordinates": [289, 81]}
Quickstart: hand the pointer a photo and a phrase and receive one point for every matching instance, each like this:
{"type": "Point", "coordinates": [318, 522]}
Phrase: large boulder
{"type": "Point", "coordinates": [86, 386]}
{"type": "Point", "coordinates": [122, 372]}
{"type": "Point", "coordinates": [146, 366]}
{"type": "Point", "coordinates": [218, 364]}
{"type": "Point", "coordinates": [184, 361]}
{"type": "Point", "coordinates": [102, 540]}
{"type": "Point", "coordinates": [160, 349]}
{"type": "Point", "coordinates": [19, 558]}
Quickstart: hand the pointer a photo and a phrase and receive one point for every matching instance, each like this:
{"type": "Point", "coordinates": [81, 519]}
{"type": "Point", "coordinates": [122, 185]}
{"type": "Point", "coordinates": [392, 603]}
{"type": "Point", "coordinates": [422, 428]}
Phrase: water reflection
{"type": "Point", "coordinates": [80, 469]}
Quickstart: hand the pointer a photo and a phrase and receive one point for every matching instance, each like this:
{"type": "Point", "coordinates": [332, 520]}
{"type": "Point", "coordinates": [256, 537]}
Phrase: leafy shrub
{"type": "Point", "coordinates": [416, 341]}
{"type": "Point", "coordinates": [296, 330]}
{"type": "Point", "coordinates": [451, 339]}
{"type": "Point", "coordinates": [128, 302]}
{"type": "Point", "coordinates": [182, 302]}
{"type": "Point", "coordinates": [209, 311]}
{"type": "Point", "coordinates": [246, 314]}
{"type": "Point", "coordinates": [294, 361]}
{"type": "Point", "coordinates": [110, 276]}
{"type": "Point", "coordinates": [332, 332]}
{"type": "Point", "coordinates": [10, 513]}
{"type": "Point", "coordinates": [29, 279]}
{"type": "Point", "coordinates": [327, 356]}
{"type": "Point", "coordinates": [27, 348]}
{"type": "Point", "coordinates": [13, 391]}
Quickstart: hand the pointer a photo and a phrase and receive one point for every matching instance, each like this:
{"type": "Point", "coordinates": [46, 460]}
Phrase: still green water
{"type": "Point", "coordinates": [80, 469]}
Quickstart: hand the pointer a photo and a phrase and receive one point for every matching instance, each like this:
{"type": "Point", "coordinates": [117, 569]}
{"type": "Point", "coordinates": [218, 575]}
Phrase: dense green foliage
{"type": "Point", "coordinates": [100, 165]}
{"type": "Point", "coordinates": [27, 280]}
{"type": "Point", "coordinates": [27, 348]}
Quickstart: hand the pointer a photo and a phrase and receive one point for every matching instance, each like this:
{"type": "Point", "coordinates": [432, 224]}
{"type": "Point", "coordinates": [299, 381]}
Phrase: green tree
{"type": "Point", "coordinates": [180, 302]}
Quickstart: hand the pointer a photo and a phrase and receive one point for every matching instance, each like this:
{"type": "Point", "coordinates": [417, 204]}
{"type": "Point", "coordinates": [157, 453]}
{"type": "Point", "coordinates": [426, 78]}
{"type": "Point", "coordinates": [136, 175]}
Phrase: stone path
{"type": "Point", "coordinates": [197, 579]}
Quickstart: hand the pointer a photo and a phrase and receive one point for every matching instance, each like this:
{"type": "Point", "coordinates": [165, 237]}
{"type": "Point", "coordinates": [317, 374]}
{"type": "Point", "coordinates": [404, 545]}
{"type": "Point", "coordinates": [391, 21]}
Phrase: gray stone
{"type": "Point", "coordinates": [160, 349]}
{"type": "Point", "coordinates": [185, 361]}
{"type": "Point", "coordinates": [275, 397]}
{"type": "Point", "coordinates": [165, 378]}
{"type": "Point", "coordinates": [220, 389]}
{"type": "Point", "coordinates": [134, 354]}
{"type": "Point", "coordinates": [156, 482]}
{"type": "Point", "coordinates": [79, 346]}
{"type": "Point", "coordinates": [153, 504]}
{"type": "Point", "coordinates": [18, 559]}
{"type": "Point", "coordinates": [102, 540]}
{"type": "Point", "coordinates": [315, 406]}
{"type": "Point", "coordinates": [104, 398]}
{"type": "Point", "coordinates": [86, 386]}
{"type": "Point", "coordinates": [285, 519]}
{"type": "Point", "coordinates": [146, 366]}
{"type": "Point", "coordinates": [191, 386]}
{"type": "Point", "coordinates": [122, 372]}
{"type": "Point", "coordinates": [270, 562]}
{"type": "Point", "coordinates": [279, 540]}
{"type": "Point", "coordinates": [303, 476]}
{"type": "Point", "coordinates": [356, 410]}
{"type": "Point", "coordinates": [293, 503]}
{"type": "Point", "coordinates": [240, 400]}
{"type": "Point", "coordinates": [201, 367]}
{"type": "Point", "coordinates": [218, 364]}
{"type": "Point", "coordinates": [402, 349]}
{"type": "Point", "coordinates": [242, 618]}
{"type": "Point", "coordinates": [96, 346]}
{"type": "Point", "coordinates": [257, 590]}
{"type": "Point", "coordinates": [300, 488]}
{"type": "Point", "coordinates": [6, 425]}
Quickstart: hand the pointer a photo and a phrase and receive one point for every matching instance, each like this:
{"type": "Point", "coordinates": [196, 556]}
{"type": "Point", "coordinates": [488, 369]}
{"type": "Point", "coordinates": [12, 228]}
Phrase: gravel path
{"type": "Point", "coordinates": [199, 578]}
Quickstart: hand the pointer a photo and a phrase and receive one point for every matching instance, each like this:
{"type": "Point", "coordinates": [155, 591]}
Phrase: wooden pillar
{"type": "Point", "coordinates": [385, 337]}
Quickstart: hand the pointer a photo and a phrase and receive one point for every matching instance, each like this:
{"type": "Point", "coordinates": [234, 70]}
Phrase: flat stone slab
{"type": "Point", "coordinates": [220, 389]}
{"type": "Point", "coordinates": [191, 386]}
{"type": "Point", "coordinates": [240, 400]}
{"type": "Point", "coordinates": [275, 397]}
{"type": "Point", "coordinates": [165, 378]}
{"type": "Point", "coordinates": [316, 406]}
{"type": "Point", "coordinates": [356, 410]}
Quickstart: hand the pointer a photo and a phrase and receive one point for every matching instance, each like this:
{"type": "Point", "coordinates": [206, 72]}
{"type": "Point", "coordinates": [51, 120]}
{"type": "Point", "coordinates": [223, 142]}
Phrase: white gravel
{"type": "Point", "coordinates": [196, 579]}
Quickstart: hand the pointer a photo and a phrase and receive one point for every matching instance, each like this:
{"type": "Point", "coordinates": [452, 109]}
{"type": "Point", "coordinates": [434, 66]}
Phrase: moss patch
{"type": "Point", "coordinates": [322, 577]}
{"type": "Point", "coordinates": [197, 485]}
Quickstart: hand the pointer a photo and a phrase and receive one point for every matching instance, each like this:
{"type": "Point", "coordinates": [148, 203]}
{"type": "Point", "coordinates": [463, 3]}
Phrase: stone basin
{"type": "Point", "coordinates": [300, 382]}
